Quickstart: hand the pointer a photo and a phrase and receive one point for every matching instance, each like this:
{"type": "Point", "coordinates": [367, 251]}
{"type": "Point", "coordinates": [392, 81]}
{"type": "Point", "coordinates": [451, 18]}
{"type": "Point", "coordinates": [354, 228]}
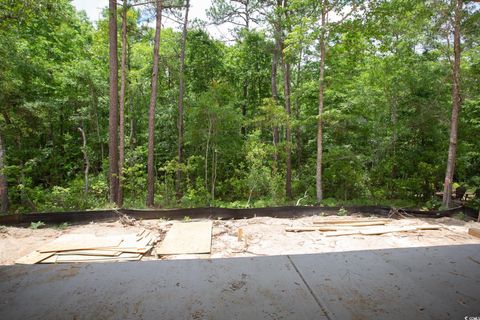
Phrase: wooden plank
{"type": "Point", "coordinates": [82, 258]}
{"type": "Point", "coordinates": [69, 242]}
{"type": "Point", "coordinates": [34, 257]}
{"type": "Point", "coordinates": [187, 238]}
{"type": "Point", "coordinates": [111, 253]}
{"type": "Point", "coordinates": [303, 229]}
{"type": "Point", "coordinates": [341, 233]}
{"type": "Point", "coordinates": [382, 230]}
{"type": "Point", "coordinates": [474, 232]}
{"type": "Point", "coordinates": [355, 224]}
{"type": "Point", "coordinates": [379, 231]}
{"type": "Point", "coordinates": [350, 221]}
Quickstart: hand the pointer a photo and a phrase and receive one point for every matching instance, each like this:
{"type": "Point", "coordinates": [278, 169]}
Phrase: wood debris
{"type": "Point", "coordinates": [381, 230]}
{"type": "Point", "coordinates": [74, 248]}
{"type": "Point", "coordinates": [353, 222]}
{"type": "Point", "coordinates": [187, 238]}
{"type": "Point", "coordinates": [474, 232]}
{"type": "Point", "coordinates": [337, 227]}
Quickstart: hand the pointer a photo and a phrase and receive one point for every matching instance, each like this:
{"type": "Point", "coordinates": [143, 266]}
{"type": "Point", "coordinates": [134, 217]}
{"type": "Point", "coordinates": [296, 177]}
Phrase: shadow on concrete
{"type": "Point", "coordinates": [440, 282]}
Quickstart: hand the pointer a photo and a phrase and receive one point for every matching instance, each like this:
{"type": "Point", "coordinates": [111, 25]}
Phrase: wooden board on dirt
{"type": "Point", "coordinates": [34, 257]}
{"type": "Point", "coordinates": [474, 232]}
{"type": "Point", "coordinates": [81, 258]}
{"type": "Point", "coordinates": [381, 230]}
{"type": "Point", "coordinates": [352, 223]}
{"type": "Point", "coordinates": [187, 238]}
{"type": "Point", "coordinates": [69, 242]}
{"type": "Point", "coordinates": [109, 253]}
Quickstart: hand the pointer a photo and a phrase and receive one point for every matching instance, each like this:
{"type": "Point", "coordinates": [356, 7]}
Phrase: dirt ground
{"type": "Point", "coordinates": [261, 236]}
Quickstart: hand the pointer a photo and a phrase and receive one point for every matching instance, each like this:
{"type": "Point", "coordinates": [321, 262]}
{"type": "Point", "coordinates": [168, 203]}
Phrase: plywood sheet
{"type": "Point", "coordinates": [34, 257]}
{"type": "Point", "coordinates": [81, 258]}
{"type": "Point", "coordinates": [187, 238]}
{"type": "Point", "coordinates": [110, 253]}
{"type": "Point", "coordinates": [69, 242]}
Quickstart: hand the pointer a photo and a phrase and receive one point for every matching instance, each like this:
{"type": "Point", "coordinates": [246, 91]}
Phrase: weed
{"type": "Point", "coordinates": [342, 212]}
{"type": "Point", "coordinates": [36, 225]}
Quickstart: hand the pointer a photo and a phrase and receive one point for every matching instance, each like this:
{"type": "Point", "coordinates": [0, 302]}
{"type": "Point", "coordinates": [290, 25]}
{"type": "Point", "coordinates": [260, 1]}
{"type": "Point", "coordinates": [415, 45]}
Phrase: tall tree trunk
{"type": "Point", "coordinates": [286, 85]}
{"type": "Point", "coordinates": [320, 108]}
{"type": "Point", "coordinates": [3, 179]}
{"type": "Point", "coordinates": [298, 133]}
{"type": "Point", "coordinates": [180, 124]}
{"type": "Point", "coordinates": [456, 101]}
{"type": "Point", "coordinates": [113, 114]}
{"type": "Point", "coordinates": [288, 174]}
{"type": "Point", "coordinates": [151, 109]}
{"type": "Point", "coordinates": [276, 137]}
{"type": "Point", "coordinates": [123, 85]}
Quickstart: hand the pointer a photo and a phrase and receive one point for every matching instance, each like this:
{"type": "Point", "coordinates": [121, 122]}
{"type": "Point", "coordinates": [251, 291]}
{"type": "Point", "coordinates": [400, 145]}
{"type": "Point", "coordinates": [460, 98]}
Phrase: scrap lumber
{"type": "Point", "coordinates": [109, 253]}
{"type": "Point", "coordinates": [330, 227]}
{"type": "Point", "coordinates": [69, 242]}
{"type": "Point", "coordinates": [474, 232]}
{"type": "Point", "coordinates": [382, 230]}
{"type": "Point", "coordinates": [354, 222]}
{"type": "Point", "coordinates": [187, 238]}
{"type": "Point", "coordinates": [73, 248]}
{"type": "Point", "coordinates": [34, 257]}
{"type": "Point", "coordinates": [312, 228]}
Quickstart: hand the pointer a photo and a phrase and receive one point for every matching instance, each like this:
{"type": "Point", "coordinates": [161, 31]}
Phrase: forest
{"type": "Point", "coordinates": [303, 102]}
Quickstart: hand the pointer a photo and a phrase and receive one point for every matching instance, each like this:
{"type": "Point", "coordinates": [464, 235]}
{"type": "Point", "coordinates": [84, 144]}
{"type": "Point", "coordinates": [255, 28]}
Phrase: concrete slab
{"type": "Point", "coordinates": [408, 283]}
{"type": "Point", "coordinates": [414, 283]}
{"type": "Point", "coordinates": [238, 288]}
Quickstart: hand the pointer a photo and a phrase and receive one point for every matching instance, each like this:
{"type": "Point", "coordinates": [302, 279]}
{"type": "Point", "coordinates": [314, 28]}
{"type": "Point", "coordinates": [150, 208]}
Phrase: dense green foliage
{"type": "Point", "coordinates": [387, 108]}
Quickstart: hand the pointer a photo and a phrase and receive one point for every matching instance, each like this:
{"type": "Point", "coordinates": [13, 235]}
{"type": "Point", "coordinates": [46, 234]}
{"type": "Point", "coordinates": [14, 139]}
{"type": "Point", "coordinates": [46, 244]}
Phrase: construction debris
{"type": "Point", "coordinates": [356, 222]}
{"type": "Point", "coordinates": [380, 230]}
{"type": "Point", "coordinates": [72, 248]}
{"type": "Point", "coordinates": [343, 227]}
{"type": "Point", "coordinates": [474, 232]}
{"type": "Point", "coordinates": [187, 238]}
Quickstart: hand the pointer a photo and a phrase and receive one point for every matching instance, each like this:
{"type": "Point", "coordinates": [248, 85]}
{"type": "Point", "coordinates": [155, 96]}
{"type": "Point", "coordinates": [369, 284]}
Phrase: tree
{"type": "Point", "coordinates": [123, 85]}
{"type": "Point", "coordinates": [151, 109]}
{"type": "Point", "coordinates": [456, 105]}
{"type": "Point", "coordinates": [113, 115]}
{"type": "Point", "coordinates": [181, 91]}
{"type": "Point", "coordinates": [321, 92]}
{"type": "Point", "coordinates": [287, 93]}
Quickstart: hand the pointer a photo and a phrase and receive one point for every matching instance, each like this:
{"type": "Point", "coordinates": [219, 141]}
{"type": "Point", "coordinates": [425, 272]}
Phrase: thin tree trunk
{"type": "Point", "coordinates": [123, 85]}
{"type": "Point", "coordinates": [244, 107]}
{"type": "Point", "coordinates": [85, 158]}
{"type": "Point", "coordinates": [214, 172]}
{"type": "Point", "coordinates": [207, 149]}
{"type": "Point", "coordinates": [298, 134]}
{"type": "Point", "coordinates": [3, 179]}
{"type": "Point", "coordinates": [288, 174]}
{"type": "Point", "coordinates": [113, 114]}
{"type": "Point", "coordinates": [456, 101]}
{"type": "Point", "coordinates": [286, 83]}
{"type": "Point", "coordinates": [320, 108]}
{"type": "Point", "coordinates": [275, 99]}
{"type": "Point", "coordinates": [151, 110]}
{"type": "Point", "coordinates": [180, 124]}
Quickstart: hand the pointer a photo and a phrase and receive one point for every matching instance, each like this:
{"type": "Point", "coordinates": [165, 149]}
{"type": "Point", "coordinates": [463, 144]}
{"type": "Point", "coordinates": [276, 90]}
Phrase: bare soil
{"type": "Point", "coordinates": [259, 236]}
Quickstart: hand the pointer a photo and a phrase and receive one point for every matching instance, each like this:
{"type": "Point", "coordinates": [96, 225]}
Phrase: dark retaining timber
{"type": "Point", "coordinates": [218, 213]}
